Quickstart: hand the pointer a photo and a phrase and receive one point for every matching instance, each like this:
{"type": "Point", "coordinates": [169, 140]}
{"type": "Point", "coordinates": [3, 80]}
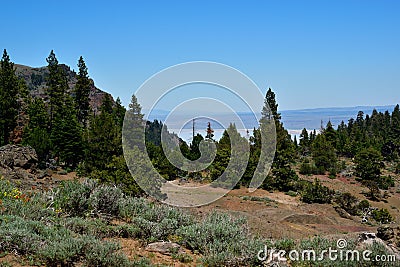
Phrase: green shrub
{"type": "Point", "coordinates": [92, 227]}
{"type": "Point", "coordinates": [63, 250]}
{"type": "Point", "coordinates": [104, 200]}
{"type": "Point", "coordinates": [284, 244]}
{"type": "Point", "coordinates": [104, 254]}
{"type": "Point", "coordinates": [152, 221]}
{"type": "Point", "coordinates": [332, 173]}
{"type": "Point", "coordinates": [222, 239]}
{"type": "Point", "coordinates": [348, 202]}
{"type": "Point", "coordinates": [384, 182]}
{"type": "Point", "coordinates": [182, 257]}
{"type": "Point", "coordinates": [316, 193]}
{"type": "Point", "coordinates": [363, 205]}
{"type": "Point", "coordinates": [382, 216]}
{"type": "Point", "coordinates": [72, 197]}
{"type": "Point", "coordinates": [306, 169]}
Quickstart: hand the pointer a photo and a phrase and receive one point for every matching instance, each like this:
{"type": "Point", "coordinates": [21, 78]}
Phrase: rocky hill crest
{"type": "Point", "coordinates": [35, 79]}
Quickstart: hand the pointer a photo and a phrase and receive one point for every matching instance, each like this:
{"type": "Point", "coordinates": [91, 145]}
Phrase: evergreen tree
{"type": "Point", "coordinates": [66, 135]}
{"type": "Point", "coordinates": [134, 126]}
{"type": "Point", "coordinates": [106, 105]}
{"type": "Point", "coordinates": [330, 133]}
{"type": "Point", "coordinates": [194, 147]}
{"type": "Point", "coordinates": [323, 154]}
{"type": "Point", "coordinates": [103, 140]}
{"type": "Point", "coordinates": [395, 125]}
{"type": "Point", "coordinates": [304, 142]}
{"type": "Point", "coordinates": [36, 133]}
{"type": "Point", "coordinates": [119, 112]}
{"type": "Point", "coordinates": [56, 87]}
{"type": "Point", "coordinates": [231, 159]}
{"type": "Point", "coordinates": [82, 91]}
{"type": "Point", "coordinates": [136, 156]}
{"type": "Point", "coordinates": [9, 93]}
{"type": "Point", "coordinates": [283, 175]}
{"type": "Point", "coordinates": [343, 141]}
{"type": "Point", "coordinates": [368, 164]}
{"type": "Point", "coordinates": [272, 111]}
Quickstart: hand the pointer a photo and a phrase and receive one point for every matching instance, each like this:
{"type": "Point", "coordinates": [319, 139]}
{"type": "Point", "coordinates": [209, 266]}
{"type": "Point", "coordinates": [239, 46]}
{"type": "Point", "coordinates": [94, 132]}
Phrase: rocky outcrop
{"type": "Point", "coordinates": [17, 162]}
{"type": "Point", "coordinates": [14, 156]}
{"type": "Point", "coordinates": [35, 79]}
{"type": "Point", "coordinates": [166, 248]}
{"type": "Point", "coordinates": [390, 234]}
{"type": "Point", "coordinates": [387, 236]}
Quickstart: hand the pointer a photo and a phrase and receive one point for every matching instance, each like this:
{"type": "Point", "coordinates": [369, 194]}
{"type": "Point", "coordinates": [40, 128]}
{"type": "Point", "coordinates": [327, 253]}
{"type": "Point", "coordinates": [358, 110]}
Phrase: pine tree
{"type": "Point", "coordinates": [106, 105]}
{"type": "Point", "coordinates": [36, 133]}
{"type": "Point", "coordinates": [232, 150]}
{"type": "Point", "coordinates": [330, 133]}
{"type": "Point", "coordinates": [119, 112]}
{"type": "Point", "coordinates": [283, 175]}
{"type": "Point", "coordinates": [9, 93]}
{"type": "Point", "coordinates": [395, 124]}
{"type": "Point", "coordinates": [82, 91]}
{"type": "Point", "coordinates": [56, 86]}
{"type": "Point", "coordinates": [343, 141]}
{"type": "Point", "coordinates": [304, 142]}
{"type": "Point", "coordinates": [135, 153]}
{"type": "Point", "coordinates": [323, 154]}
{"type": "Point", "coordinates": [272, 111]}
{"type": "Point", "coordinates": [134, 131]}
{"type": "Point", "coordinates": [103, 140]}
{"type": "Point", "coordinates": [66, 135]}
{"type": "Point", "coordinates": [368, 164]}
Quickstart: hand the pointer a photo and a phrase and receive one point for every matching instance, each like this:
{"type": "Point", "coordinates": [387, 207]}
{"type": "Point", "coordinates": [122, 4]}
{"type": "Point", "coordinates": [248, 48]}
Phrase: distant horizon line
{"type": "Point", "coordinates": [300, 109]}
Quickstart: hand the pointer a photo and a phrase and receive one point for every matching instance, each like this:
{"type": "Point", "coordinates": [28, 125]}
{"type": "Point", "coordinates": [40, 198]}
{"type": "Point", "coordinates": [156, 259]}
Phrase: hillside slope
{"type": "Point", "coordinates": [35, 79]}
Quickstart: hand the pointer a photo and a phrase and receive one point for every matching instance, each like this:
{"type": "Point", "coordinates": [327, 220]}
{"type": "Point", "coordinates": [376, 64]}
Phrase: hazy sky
{"type": "Point", "coordinates": [311, 53]}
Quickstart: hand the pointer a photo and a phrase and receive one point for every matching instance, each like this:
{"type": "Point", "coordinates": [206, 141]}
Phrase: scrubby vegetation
{"type": "Point", "coordinates": [59, 228]}
{"type": "Point", "coordinates": [56, 228]}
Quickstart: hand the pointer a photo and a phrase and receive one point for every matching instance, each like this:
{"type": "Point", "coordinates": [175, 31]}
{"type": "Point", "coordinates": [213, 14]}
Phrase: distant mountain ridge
{"type": "Point", "coordinates": [35, 79]}
{"type": "Point", "coordinates": [293, 120]}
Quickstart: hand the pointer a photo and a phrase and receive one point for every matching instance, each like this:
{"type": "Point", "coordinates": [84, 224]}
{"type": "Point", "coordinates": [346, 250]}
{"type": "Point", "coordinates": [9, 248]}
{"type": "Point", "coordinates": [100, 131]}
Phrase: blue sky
{"type": "Point", "coordinates": [311, 53]}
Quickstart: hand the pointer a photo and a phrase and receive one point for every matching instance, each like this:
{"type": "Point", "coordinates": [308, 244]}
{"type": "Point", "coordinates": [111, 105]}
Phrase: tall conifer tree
{"type": "Point", "coordinates": [9, 92]}
{"type": "Point", "coordinates": [82, 91]}
{"type": "Point", "coordinates": [56, 86]}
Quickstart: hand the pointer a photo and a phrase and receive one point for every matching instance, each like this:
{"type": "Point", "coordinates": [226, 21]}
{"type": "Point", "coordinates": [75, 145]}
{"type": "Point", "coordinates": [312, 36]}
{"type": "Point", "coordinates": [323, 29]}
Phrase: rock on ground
{"type": "Point", "coordinates": [166, 248]}
{"type": "Point", "coordinates": [18, 163]}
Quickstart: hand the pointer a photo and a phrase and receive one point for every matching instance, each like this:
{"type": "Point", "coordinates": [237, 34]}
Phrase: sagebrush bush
{"type": "Point", "coordinates": [223, 240]}
{"type": "Point", "coordinates": [152, 221]}
{"type": "Point", "coordinates": [105, 199]}
{"type": "Point", "coordinates": [72, 197]}
{"type": "Point", "coordinates": [98, 228]}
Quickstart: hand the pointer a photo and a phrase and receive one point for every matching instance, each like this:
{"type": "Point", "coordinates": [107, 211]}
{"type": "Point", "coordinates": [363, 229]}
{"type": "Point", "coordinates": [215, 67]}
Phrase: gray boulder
{"type": "Point", "coordinates": [17, 162]}
{"type": "Point", "coordinates": [14, 156]}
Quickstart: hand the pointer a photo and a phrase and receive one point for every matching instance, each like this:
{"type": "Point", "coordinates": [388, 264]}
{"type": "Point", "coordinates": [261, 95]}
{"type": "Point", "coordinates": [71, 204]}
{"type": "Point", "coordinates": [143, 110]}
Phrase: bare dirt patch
{"type": "Point", "coordinates": [277, 215]}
